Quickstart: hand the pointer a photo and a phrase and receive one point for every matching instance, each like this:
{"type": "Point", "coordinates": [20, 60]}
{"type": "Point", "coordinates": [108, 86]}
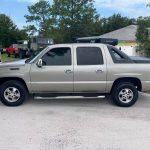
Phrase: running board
{"type": "Point", "coordinates": [68, 97]}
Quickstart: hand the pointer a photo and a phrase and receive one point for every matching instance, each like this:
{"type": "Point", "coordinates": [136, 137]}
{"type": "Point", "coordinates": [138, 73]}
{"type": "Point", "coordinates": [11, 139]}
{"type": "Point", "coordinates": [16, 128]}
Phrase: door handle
{"type": "Point", "coordinates": [68, 71]}
{"type": "Point", "coordinates": [99, 71]}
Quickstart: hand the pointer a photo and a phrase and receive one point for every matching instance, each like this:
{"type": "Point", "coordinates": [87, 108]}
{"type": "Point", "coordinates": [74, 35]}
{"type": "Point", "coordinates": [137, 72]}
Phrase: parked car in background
{"type": "Point", "coordinates": [12, 50]}
{"type": "Point", "coordinates": [27, 48]}
{"type": "Point", "coordinates": [1, 50]}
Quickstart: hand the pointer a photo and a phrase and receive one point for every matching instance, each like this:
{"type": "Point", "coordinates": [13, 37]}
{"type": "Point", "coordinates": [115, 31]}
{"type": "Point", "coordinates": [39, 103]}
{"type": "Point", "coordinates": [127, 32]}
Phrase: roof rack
{"type": "Point", "coordinates": [109, 41]}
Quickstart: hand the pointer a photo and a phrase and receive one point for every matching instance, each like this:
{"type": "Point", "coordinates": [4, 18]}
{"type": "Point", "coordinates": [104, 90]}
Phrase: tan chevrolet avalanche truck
{"type": "Point", "coordinates": [78, 70]}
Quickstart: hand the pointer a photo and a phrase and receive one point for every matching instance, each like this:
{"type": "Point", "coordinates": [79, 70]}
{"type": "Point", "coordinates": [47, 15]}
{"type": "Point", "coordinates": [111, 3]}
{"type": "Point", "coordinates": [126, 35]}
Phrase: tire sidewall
{"type": "Point", "coordinates": [116, 91]}
{"type": "Point", "coordinates": [17, 85]}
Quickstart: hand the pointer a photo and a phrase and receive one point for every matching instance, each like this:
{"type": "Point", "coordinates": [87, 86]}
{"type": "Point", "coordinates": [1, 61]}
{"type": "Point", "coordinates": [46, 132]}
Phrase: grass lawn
{"type": "Point", "coordinates": [5, 58]}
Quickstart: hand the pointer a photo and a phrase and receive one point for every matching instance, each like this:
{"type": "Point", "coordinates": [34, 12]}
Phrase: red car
{"type": "Point", "coordinates": [12, 51]}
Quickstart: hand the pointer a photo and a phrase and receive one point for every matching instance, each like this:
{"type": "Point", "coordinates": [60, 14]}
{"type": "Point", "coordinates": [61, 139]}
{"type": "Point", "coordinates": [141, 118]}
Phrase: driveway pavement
{"type": "Point", "coordinates": [75, 124]}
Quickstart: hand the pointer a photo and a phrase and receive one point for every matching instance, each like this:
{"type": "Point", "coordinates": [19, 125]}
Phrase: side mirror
{"type": "Point", "coordinates": [40, 63]}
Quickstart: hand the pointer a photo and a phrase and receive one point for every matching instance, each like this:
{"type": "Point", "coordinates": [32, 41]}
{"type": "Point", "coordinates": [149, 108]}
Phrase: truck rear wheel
{"type": "Point", "coordinates": [125, 94]}
{"type": "Point", "coordinates": [13, 93]}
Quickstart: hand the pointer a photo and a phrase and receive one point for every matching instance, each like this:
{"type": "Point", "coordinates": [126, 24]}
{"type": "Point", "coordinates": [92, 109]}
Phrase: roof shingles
{"type": "Point", "coordinates": [124, 34]}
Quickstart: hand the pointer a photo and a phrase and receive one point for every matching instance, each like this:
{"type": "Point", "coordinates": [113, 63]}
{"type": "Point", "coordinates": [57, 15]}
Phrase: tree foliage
{"type": "Point", "coordinates": [30, 30]}
{"type": "Point", "coordinates": [75, 18]}
{"type": "Point", "coordinates": [148, 5]}
{"type": "Point", "coordinates": [115, 22]}
{"type": "Point", "coordinates": [66, 20]}
{"type": "Point", "coordinates": [143, 35]}
{"type": "Point", "coordinates": [9, 33]}
{"type": "Point", "coordinates": [40, 15]}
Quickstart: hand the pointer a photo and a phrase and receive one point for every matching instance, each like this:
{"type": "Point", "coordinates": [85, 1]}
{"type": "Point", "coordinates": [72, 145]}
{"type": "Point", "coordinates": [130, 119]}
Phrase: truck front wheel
{"type": "Point", "coordinates": [13, 93]}
{"type": "Point", "coordinates": [125, 94]}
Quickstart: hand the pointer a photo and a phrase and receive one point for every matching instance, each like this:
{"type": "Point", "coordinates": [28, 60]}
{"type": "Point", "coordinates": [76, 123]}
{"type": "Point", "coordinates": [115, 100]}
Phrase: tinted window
{"type": "Point", "coordinates": [89, 56]}
{"type": "Point", "coordinates": [57, 57]}
{"type": "Point", "coordinates": [118, 56]}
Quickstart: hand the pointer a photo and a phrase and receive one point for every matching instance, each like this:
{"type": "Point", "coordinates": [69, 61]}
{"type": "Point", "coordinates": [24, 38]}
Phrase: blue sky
{"type": "Point", "coordinates": [16, 9]}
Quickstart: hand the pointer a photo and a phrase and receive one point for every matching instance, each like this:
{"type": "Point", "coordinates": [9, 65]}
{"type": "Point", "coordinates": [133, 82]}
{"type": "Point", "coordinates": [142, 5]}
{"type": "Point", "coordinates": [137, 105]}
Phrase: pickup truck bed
{"type": "Point", "coordinates": [140, 60]}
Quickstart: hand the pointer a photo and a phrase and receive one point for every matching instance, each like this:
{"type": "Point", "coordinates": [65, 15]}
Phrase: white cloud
{"type": "Point", "coordinates": [132, 8]}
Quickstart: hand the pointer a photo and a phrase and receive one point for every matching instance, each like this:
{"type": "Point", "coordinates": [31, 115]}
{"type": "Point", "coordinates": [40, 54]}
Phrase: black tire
{"type": "Point", "coordinates": [15, 55]}
{"type": "Point", "coordinates": [15, 84]}
{"type": "Point", "coordinates": [8, 55]}
{"type": "Point", "coordinates": [127, 101]}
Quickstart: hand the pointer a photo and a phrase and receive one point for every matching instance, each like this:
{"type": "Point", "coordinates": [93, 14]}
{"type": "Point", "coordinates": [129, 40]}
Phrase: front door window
{"type": "Point", "coordinates": [57, 57]}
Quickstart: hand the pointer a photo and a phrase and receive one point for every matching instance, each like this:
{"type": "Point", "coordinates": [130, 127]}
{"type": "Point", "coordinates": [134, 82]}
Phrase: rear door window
{"type": "Point", "coordinates": [89, 56]}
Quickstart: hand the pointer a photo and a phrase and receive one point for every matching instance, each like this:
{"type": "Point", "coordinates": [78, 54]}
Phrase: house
{"type": "Point", "coordinates": [126, 39]}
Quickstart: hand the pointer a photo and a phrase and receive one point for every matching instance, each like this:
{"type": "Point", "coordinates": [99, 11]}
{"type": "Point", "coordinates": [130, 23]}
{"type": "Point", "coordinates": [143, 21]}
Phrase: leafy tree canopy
{"type": "Point", "coordinates": [66, 20]}
{"type": "Point", "coordinates": [115, 22]}
{"type": "Point", "coordinates": [9, 33]}
{"type": "Point", "coordinates": [40, 15]}
{"type": "Point", "coordinates": [143, 35]}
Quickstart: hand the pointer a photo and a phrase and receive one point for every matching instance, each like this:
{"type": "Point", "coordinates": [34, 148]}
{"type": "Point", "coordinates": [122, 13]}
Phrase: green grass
{"type": "Point", "coordinates": [5, 58]}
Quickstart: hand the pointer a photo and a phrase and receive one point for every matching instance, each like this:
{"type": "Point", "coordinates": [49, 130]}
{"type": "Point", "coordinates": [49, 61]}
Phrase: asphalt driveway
{"type": "Point", "coordinates": [75, 124]}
